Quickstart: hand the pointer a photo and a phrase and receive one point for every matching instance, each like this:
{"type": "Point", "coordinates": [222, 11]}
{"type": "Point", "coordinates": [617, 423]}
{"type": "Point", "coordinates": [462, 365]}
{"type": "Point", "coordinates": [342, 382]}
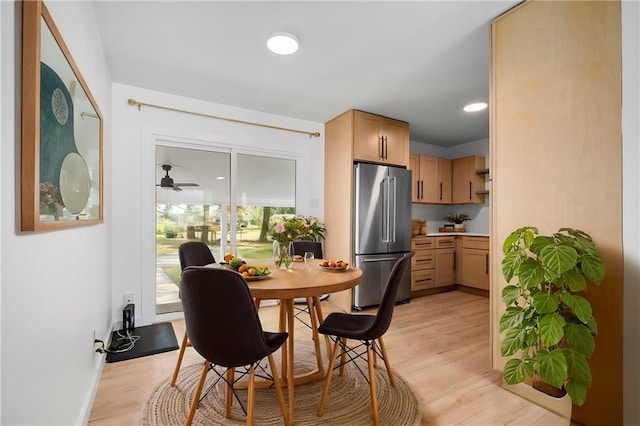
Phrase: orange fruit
{"type": "Point", "coordinates": [332, 264]}
{"type": "Point", "coordinates": [228, 257]}
{"type": "Point", "coordinates": [244, 274]}
{"type": "Point", "coordinates": [251, 271]}
{"type": "Point", "coordinates": [242, 268]}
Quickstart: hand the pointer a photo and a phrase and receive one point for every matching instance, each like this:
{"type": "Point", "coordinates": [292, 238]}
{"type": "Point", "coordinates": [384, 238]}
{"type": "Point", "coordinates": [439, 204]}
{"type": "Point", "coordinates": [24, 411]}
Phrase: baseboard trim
{"type": "Point", "coordinates": [87, 404]}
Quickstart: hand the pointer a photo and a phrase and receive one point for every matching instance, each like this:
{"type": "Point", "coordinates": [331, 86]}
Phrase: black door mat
{"type": "Point", "coordinates": [152, 339]}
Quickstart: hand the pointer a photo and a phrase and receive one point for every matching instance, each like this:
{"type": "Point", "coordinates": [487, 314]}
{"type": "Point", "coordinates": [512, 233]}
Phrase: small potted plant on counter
{"type": "Point", "coordinates": [549, 327]}
{"type": "Point", "coordinates": [457, 220]}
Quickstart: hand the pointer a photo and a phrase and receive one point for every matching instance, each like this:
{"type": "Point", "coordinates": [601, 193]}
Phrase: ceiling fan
{"type": "Point", "coordinates": [167, 181]}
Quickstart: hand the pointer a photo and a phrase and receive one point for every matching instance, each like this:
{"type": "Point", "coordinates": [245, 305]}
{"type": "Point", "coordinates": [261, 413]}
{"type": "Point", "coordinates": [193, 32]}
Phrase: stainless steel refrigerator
{"type": "Point", "coordinates": [382, 229]}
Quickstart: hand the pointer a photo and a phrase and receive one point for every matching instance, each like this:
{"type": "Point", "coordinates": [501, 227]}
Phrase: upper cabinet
{"type": "Point", "coordinates": [443, 181]}
{"type": "Point", "coordinates": [468, 186]}
{"type": "Point", "coordinates": [431, 179]}
{"type": "Point", "coordinates": [380, 139]}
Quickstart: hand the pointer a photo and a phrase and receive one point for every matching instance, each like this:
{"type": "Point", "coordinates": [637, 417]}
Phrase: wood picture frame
{"type": "Point", "coordinates": [61, 152]}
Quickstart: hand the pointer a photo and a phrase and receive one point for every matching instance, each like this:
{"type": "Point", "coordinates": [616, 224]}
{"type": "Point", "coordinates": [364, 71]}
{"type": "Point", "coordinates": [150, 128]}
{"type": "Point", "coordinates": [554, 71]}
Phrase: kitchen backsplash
{"type": "Point", "coordinates": [434, 215]}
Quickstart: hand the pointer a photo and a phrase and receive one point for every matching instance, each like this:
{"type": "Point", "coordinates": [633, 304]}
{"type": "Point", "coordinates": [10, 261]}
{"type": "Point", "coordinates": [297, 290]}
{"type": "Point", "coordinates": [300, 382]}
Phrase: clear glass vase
{"type": "Point", "coordinates": [281, 255]}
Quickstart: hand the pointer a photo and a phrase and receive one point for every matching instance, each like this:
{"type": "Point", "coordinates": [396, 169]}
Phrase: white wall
{"type": "Point", "coordinates": [134, 138]}
{"type": "Point", "coordinates": [631, 207]}
{"type": "Point", "coordinates": [434, 214]}
{"type": "Point", "coordinates": [56, 286]}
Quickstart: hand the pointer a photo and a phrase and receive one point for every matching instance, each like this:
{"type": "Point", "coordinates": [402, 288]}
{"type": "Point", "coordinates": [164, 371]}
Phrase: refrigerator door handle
{"type": "Point", "coordinates": [386, 221]}
{"type": "Point", "coordinates": [394, 209]}
{"type": "Point", "coordinates": [380, 259]}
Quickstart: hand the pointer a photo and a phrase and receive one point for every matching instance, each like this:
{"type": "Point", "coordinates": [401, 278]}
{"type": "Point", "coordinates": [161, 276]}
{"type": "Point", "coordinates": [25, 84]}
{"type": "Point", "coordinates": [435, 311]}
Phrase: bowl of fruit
{"type": "Point", "coordinates": [249, 272]}
{"type": "Point", "coordinates": [333, 266]}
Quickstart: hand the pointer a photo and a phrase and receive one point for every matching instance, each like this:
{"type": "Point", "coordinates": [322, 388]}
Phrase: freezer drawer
{"type": "Point", "coordinates": [375, 273]}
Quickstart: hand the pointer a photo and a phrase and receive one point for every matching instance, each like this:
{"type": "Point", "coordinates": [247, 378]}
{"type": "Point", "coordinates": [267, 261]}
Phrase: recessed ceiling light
{"type": "Point", "coordinates": [478, 106]}
{"type": "Point", "coordinates": [220, 178]}
{"type": "Point", "coordinates": [283, 43]}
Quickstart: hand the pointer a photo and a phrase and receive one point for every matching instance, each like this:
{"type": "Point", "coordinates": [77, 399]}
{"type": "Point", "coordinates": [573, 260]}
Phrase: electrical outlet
{"type": "Point", "coordinates": [127, 298]}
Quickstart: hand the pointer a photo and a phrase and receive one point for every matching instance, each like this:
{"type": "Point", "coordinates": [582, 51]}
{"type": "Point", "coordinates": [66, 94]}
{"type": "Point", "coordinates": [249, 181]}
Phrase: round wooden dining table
{"type": "Point", "coordinates": [307, 281]}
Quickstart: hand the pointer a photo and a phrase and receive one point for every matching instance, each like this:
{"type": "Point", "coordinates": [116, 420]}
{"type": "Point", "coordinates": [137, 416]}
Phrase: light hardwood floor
{"type": "Point", "coordinates": [438, 343]}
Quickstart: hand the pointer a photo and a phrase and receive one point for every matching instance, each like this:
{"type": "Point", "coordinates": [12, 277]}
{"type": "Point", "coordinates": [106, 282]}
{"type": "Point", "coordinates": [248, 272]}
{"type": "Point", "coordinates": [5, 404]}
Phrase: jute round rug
{"type": "Point", "coordinates": [348, 402]}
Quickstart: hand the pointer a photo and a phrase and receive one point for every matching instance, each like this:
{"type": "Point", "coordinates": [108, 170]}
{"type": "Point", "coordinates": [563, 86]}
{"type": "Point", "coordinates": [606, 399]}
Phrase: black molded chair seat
{"type": "Point", "coordinates": [348, 325]}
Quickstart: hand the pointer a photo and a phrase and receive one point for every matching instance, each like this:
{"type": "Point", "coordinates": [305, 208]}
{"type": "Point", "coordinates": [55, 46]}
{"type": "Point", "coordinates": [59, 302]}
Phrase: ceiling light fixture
{"type": "Point", "coordinates": [283, 43]}
{"type": "Point", "coordinates": [220, 178]}
{"type": "Point", "coordinates": [478, 106]}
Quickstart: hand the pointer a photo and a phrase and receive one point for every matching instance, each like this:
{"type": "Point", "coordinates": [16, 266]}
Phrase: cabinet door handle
{"type": "Point", "coordinates": [382, 147]}
{"type": "Point", "coordinates": [486, 263]}
{"type": "Point", "coordinates": [418, 189]}
{"type": "Point", "coordinates": [440, 191]}
{"type": "Point", "coordinates": [386, 148]}
{"type": "Point", "coordinates": [421, 189]}
{"type": "Point", "coordinates": [469, 190]}
{"type": "Point", "coordinates": [454, 259]}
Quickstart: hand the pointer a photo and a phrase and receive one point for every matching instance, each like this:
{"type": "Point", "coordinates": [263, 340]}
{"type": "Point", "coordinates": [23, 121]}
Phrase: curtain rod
{"type": "Point", "coordinates": [233, 120]}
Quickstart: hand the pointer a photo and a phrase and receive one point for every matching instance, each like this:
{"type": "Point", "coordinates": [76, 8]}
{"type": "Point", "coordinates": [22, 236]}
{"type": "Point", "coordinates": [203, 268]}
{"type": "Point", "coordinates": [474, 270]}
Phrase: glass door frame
{"type": "Point", "coordinates": [148, 204]}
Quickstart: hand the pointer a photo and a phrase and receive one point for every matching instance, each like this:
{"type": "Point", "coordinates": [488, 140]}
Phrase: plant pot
{"type": "Point", "coordinates": [542, 386]}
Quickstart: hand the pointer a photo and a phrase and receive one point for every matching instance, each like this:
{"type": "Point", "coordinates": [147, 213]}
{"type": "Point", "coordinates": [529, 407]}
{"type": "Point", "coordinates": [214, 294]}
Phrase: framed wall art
{"type": "Point", "coordinates": [61, 154]}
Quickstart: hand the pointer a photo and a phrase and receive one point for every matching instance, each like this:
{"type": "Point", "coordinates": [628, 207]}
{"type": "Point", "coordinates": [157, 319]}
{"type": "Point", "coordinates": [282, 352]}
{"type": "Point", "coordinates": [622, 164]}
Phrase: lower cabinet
{"type": "Point", "coordinates": [475, 262]}
{"type": "Point", "coordinates": [441, 261]}
{"type": "Point", "coordinates": [422, 263]}
{"type": "Point", "coordinates": [445, 253]}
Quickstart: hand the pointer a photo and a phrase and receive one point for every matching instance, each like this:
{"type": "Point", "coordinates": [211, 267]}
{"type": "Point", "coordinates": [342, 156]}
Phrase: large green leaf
{"type": "Point", "coordinates": [575, 280]}
{"type": "Point", "coordinates": [580, 339]}
{"type": "Point", "coordinates": [579, 305]}
{"type": "Point", "coordinates": [551, 329]}
{"type": "Point", "coordinates": [510, 294]}
{"type": "Point", "coordinates": [544, 302]}
{"type": "Point", "coordinates": [577, 392]}
{"type": "Point", "coordinates": [578, 367]}
{"type": "Point", "coordinates": [530, 273]}
{"type": "Point", "coordinates": [593, 326]}
{"type": "Point", "coordinates": [539, 243]}
{"type": "Point", "coordinates": [512, 317]}
{"type": "Point", "coordinates": [552, 367]}
{"type": "Point", "coordinates": [512, 342]}
{"type": "Point", "coordinates": [510, 265]}
{"type": "Point", "coordinates": [511, 242]}
{"type": "Point", "coordinates": [515, 371]}
{"type": "Point", "coordinates": [559, 258]}
{"type": "Point", "coordinates": [593, 268]}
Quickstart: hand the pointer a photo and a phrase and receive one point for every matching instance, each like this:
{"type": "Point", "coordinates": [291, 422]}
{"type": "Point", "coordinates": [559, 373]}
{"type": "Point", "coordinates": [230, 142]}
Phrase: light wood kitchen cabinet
{"type": "Point", "coordinates": [475, 262]}
{"type": "Point", "coordinates": [468, 186]}
{"type": "Point", "coordinates": [445, 254]}
{"type": "Point", "coordinates": [380, 139]}
{"type": "Point", "coordinates": [422, 263]}
{"type": "Point", "coordinates": [431, 179]}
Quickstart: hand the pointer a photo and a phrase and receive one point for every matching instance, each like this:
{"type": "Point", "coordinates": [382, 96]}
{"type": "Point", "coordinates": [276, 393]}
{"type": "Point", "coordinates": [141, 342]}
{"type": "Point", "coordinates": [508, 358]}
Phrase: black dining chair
{"type": "Point", "coordinates": [224, 328]}
{"type": "Point", "coordinates": [368, 330]}
{"type": "Point", "coordinates": [191, 253]}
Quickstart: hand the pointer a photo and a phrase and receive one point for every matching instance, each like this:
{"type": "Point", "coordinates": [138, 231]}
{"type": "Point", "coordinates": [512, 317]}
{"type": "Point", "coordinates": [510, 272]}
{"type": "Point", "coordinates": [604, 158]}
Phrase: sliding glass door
{"type": "Point", "coordinates": [222, 198]}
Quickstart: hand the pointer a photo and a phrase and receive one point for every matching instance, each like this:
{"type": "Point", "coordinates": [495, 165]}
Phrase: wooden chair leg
{"type": "Point", "coordinates": [278, 386]}
{"type": "Point", "coordinates": [184, 344]}
{"type": "Point", "coordinates": [327, 380]}
{"type": "Point", "coordinates": [372, 385]}
{"type": "Point", "coordinates": [229, 392]}
{"type": "Point", "coordinates": [343, 355]}
{"type": "Point", "coordinates": [257, 302]}
{"type": "Point", "coordinates": [251, 394]}
{"type": "Point", "coordinates": [196, 395]}
{"type": "Point", "coordinates": [282, 326]}
{"type": "Point", "coordinates": [387, 365]}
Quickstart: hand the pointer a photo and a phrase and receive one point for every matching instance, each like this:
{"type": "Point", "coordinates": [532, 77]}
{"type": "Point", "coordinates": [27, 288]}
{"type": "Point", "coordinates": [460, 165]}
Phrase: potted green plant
{"type": "Point", "coordinates": [549, 326]}
{"type": "Point", "coordinates": [458, 220]}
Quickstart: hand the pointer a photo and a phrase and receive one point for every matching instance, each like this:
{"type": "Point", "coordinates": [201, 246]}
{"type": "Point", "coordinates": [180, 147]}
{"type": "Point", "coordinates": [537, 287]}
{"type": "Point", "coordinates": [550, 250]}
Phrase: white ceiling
{"type": "Point", "coordinates": [416, 61]}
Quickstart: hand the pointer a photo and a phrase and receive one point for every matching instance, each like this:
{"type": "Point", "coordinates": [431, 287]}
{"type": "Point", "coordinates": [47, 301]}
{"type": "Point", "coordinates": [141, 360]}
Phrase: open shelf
{"type": "Point", "coordinates": [482, 171]}
{"type": "Point", "coordinates": [482, 191]}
